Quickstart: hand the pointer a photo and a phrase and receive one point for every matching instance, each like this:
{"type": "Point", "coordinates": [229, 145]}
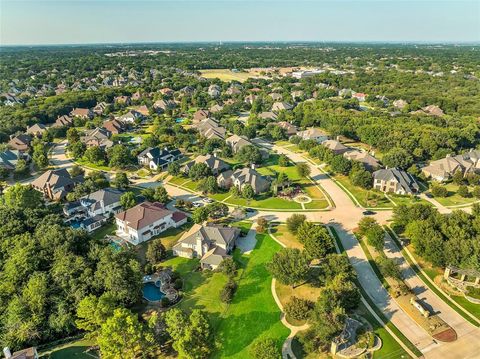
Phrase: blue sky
{"type": "Point", "coordinates": [126, 21]}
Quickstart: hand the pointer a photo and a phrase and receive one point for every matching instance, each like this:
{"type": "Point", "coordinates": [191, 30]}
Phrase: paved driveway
{"type": "Point", "coordinates": [247, 244]}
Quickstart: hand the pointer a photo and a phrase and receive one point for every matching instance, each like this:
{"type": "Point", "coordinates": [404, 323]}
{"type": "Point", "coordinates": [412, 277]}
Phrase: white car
{"type": "Point", "coordinates": [197, 204]}
{"type": "Point", "coordinates": [207, 200]}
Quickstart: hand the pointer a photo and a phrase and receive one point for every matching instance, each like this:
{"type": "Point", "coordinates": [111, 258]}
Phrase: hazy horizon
{"type": "Point", "coordinates": [103, 22]}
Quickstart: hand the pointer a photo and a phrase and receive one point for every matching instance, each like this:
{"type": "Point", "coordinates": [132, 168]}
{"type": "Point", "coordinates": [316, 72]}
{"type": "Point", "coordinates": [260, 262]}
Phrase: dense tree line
{"type": "Point", "coordinates": [442, 239]}
{"type": "Point", "coordinates": [47, 269]}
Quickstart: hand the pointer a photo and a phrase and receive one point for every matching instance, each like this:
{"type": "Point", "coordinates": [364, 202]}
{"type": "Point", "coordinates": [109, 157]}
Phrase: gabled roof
{"type": "Point", "coordinates": [213, 235]}
{"type": "Point", "coordinates": [143, 214]}
{"type": "Point", "coordinates": [108, 196]}
{"type": "Point", "coordinates": [214, 163]}
{"type": "Point", "coordinates": [54, 178]}
{"type": "Point", "coordinates": [36, 128]}
{"type": "Point", "coordinates": [9, 159]}
{"type": "Point", "coordinates": [404, 179]}
{"type": "Point", "coordinates": [252, 177]}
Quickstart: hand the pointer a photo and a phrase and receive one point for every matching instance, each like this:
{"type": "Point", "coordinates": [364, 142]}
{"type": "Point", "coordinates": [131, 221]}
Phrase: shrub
{"type": "Point", "coordinates": [265, 349]}
{"type": "Point", "coordinates": [228, 267]}
{"type": "Point", "coordinates": [226, 295]}
{"type": "Point", "coordinates": [295, 221]}
{"type": "Point", "coordinates": [463, 191]}
{"type": "Point", "coordinates": [476, 191]}
{"type": "Point", "coordinates": [298, 308]}
{"type": "Point", "coordinates": [178, 284]}
{"type": "Point", "coordinates": [164, 302]}
{"type": "Point", "coordinates": [439, 191]}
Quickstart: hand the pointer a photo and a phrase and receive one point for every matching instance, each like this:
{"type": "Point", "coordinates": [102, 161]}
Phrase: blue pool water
{"type": "Point", "coordinates": [179, 120]}
{"type": "Point", "coordinates": [152, 293]}
{"type": "Point", "coordinates": [75, 224]}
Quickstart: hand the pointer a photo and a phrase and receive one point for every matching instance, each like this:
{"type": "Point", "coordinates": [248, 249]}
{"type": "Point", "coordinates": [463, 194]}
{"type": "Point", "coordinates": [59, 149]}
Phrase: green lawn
{"type": "Point", "coordinates": [366, 198]}
{"type": "Point", "coordinates": [107, 228]}
{"type": "Point", "coordinates": [265, 202]}
{"type": "Point", "coordinates": [75, 350]}
{"type": "Point", "coordinates": [94, 166]}
{"type": "Point", "coordinates": [454, 199]}
{"type": "Point", "coordinates": [408, 200]}
{"type": "Point", "coordinates": [253, 312]}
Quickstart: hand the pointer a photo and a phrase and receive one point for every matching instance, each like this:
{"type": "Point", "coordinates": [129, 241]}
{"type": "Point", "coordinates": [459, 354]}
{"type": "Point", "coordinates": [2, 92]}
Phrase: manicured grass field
{"type": "Point", "coordinates": [225, 75]}
{"type": "Point", "coordinates": [365, 197]}
{"type": "Point", "coordinates": [253, 312]}
{"type": "Point", "coordinates": [281, 232]}
{"type": "Point", "coordinates": [453, 198]}
{"type": "Point", "coordinates": [94, 166]}
{"type": "Point", "coordinates": [106, 229]}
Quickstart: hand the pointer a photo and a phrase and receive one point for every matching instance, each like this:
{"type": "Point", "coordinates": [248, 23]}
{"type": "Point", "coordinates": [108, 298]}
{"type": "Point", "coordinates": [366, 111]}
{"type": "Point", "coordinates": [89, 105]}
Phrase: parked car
{"type": "Point", "coordinates": [207, 200]}
{"type": "Point", "coordinates": [197, 204]}
{"type": "Point", "coordinates": [368, 213]}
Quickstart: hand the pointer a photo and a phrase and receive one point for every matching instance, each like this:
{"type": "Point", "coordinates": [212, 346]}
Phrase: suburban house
{"type": "Point", "coordinates": [369, 162]}
{"type": "Point", "coordinates": [361, 97]}
{"type": "Point", "coordinates": [164, 105]}
{"type": "Point", "coordinates": [97, 137]}
{"type": "Point", "coordinates": [114, 126]}
{"type": "Point", "coordinates": [28, 353]}
{"type": "Point", "coordinates": [167, 92]}
{"type": "Point", "coordinates": [445, 168]}
{"type": "Point", "coordinates": [146, 220]}
{"type": "Point", "coordinates": [100, 108]}
{"type": "Point", "coordinates": [276, 96]}
{"type": "Point", "coordinates": [313, 133]}
{"type": "Point", "coordinates": [335, 146]}
{"type": "Point", "coordinates": [216, 108]}
{"type": "Point", "coordinates": [123, 100]}
{"type": "Point", "coordinates": [20, 143]}
{"type": "Point", "coordinates": [214, 91]}
{"type": "Point", "coordinates": [250, 99]}
{"type": "Point", "coordinates": [240, 177]}
{"type": "Point", "coordinates": [209, 128]}
{"type": "Point", "coordinates": [143, 110]}
{"type": "Point", "coordinates": [212, 244]}
{"type": "Point", "coordinates": [281, 106]}
{"type": "Point", "coordinates": [394, 180]}
{"type": "Point", "coordinates": [237, 142]}
{"type": "Point", "coordinates": [200, 115]}
{"type": "Point", "coordinates": [36, 130]}
{"type": "Point", "coordinates": [84, 113]}
{"type": "Point", "coordinates": [215, 164]}
{"type": "Point", "coordinates": [9, 158]}
{"type": "Point", "coordinates": [63, 121]}
{"type": "Point", "coordinates": [269, 115]}
{"type": "Point", "coordinates": [130, 117]}
{"type": "Point", "coordinates": [55, 184]}
{"type": "Point", "coordinates": [290, 130]}
{"type": "Point", "coordinates": [92, 210]}
{"type": "Point", "coordinates": [233, 90]}
{"type": "Point", "coordinates": [157, 158]}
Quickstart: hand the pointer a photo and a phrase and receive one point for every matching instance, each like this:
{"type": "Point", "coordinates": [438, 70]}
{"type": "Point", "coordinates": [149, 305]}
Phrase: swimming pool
{"type": "Point", "coordinates": [152, 293]}
{"type": "Point", "coordinates": [75, 224]}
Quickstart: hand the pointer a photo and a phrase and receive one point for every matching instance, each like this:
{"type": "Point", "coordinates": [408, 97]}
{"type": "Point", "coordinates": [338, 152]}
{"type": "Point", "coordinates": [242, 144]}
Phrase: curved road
{"type": "Point", "coordinates": [344, 217]}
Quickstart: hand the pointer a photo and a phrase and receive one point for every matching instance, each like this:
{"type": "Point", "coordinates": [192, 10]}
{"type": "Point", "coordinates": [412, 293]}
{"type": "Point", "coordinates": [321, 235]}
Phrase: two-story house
{"type": "Point", "coordinates": [146, 220]}
{"type": "Point", "coordinates": [212, 244]}
{"type": "Point", "coordinates": [394, 180]}
{"type": "Point", "coordinates": [157, 158]}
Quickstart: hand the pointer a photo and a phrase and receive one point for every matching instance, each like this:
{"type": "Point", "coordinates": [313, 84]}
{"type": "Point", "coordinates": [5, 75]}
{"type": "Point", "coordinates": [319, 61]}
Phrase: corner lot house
{"type": "Point", "coordinates": [212, 244]}
{"type": "Point", "coordinates": [243, 176]}
{"type": "Point", "coordinates": [315, 134]}
{"type": "Point", "coordinates": [158, 159]}
{"type": "Point", "coordinates": [394, 180]}
{"type": "Point", "coordinates": [215, 164]}
{"type": "Point", "coordinates": [55, 184]}
{"type": "Point", "coordinates": [146, 220]}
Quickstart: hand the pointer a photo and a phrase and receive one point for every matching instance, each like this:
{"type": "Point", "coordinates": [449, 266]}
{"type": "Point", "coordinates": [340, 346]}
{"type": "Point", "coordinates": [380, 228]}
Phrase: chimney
{"type": "Point", "coordinates": [215, 154]}
{"type": "Point", "coordinates": [7, 353]}
{"type": "Point", "coordinates": [337, 138]}
{"type": "Point", "coordinates": [253, 166]}
{"type": "Point", "coordinates": [199, 247]}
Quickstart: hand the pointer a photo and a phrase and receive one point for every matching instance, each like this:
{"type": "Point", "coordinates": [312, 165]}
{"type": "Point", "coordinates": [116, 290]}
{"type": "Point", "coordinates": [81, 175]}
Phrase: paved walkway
{"type": "Point", "coordinates": [247, 244]}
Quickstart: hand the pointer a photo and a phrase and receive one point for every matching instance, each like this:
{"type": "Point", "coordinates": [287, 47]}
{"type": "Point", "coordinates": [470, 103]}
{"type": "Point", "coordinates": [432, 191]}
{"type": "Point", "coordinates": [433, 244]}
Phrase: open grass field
{"type": "Point", "coordinates": [226, 75]}
{"type": "Point", "coordinates": [281, 232]}
{"type": "Point", "coordinates": [304, 291]}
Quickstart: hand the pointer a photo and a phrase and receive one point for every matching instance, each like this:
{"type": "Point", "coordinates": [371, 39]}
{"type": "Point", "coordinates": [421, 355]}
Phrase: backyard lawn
{"type": "Point", "coordinates": [253, 312]}
{"type": "Point", "coordinates": [74, 350]}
